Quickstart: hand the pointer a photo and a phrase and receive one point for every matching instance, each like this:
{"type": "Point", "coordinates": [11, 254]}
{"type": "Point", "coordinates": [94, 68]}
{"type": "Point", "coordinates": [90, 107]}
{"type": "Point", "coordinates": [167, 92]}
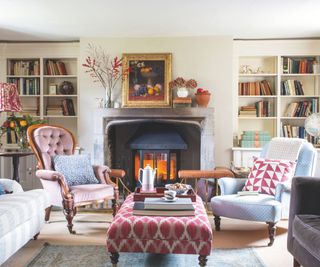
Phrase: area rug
{"type": "Point", "coordinates": [96, 256]}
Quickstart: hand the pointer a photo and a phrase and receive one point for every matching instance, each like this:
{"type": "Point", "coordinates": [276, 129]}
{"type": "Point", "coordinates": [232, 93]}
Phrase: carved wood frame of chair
{"type": "Point", "coordinates": [47, 174]}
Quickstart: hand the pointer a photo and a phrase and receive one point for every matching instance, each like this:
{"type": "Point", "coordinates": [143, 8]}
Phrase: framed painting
{"type": "Point", "coordinates": [147, 82]}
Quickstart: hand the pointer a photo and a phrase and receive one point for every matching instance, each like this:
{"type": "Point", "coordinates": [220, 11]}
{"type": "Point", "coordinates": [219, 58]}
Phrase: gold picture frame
{"type": "Point", "coordinates": [147, 82]}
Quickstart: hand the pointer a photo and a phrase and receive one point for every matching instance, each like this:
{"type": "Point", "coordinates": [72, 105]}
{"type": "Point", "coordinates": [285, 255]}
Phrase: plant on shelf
{"type": "Point", "coordinates": [19, 125]}
{"type": "Point", "coordinates": [108, 71]}
{"type": "Point", "coordinates": [202, 97]}
{"type": "Point", "coordinates": [182, 86]}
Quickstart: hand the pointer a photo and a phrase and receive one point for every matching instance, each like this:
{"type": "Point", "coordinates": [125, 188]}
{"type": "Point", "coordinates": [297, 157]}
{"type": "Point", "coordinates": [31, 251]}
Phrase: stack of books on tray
{"type": "Point", "coordinates": [162, 207]}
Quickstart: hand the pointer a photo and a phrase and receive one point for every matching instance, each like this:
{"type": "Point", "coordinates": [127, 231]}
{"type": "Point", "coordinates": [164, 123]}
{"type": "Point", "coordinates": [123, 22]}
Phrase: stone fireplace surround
{"type": "Point", "coordinates": [107, 119]}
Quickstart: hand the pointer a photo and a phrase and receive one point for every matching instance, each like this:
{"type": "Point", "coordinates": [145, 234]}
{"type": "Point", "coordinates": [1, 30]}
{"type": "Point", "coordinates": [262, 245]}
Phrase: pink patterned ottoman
{"type": "Point", "coordinates": [163, 235]}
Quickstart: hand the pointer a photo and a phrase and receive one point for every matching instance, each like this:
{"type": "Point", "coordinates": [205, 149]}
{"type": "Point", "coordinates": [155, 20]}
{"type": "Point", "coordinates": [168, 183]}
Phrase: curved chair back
{"type": "Point", "coordinates": [306, 163]}
{"type": "Point", "coordinates": [47, 141]}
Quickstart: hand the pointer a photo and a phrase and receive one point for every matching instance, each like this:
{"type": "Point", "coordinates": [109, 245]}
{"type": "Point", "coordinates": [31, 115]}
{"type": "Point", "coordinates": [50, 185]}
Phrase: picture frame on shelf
{"type": "Point", "coordinates": [53, 89]}
{"type": "Point", "coordinates": [147, 82]}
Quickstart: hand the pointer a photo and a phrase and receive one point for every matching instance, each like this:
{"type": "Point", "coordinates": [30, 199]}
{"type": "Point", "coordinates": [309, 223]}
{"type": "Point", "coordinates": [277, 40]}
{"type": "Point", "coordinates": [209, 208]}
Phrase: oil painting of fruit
{"type": "Point", "coordinates": [147, 83]}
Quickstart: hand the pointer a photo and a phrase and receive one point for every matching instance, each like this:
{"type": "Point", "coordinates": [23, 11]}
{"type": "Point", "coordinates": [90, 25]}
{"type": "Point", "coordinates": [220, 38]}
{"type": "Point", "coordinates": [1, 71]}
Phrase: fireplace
{"type": "Point", "coordinates": [115, 128]}
{"type": "Point", "coordinates": [157, 145]}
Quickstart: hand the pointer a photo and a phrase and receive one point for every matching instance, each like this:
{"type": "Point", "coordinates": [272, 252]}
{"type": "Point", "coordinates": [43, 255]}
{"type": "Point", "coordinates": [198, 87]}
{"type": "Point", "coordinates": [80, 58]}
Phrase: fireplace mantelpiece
{"type": "Point", "coordinates": [203, 118]}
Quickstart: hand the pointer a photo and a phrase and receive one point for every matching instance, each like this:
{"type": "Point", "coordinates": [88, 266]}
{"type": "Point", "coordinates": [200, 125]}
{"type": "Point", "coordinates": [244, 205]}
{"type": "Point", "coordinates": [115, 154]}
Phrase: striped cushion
{"type": "Point", "coordinates": [17, 208]}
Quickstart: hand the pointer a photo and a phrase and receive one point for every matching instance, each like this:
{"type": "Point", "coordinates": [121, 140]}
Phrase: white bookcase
{"type": "Point", "coordinates": [270, 69]}
{"type": "Point", "coordinates": [41, 52]}
{"type": "Point", "coordinates": [38, 97]}
{"type": "Point", "coordinates": [268, 56]}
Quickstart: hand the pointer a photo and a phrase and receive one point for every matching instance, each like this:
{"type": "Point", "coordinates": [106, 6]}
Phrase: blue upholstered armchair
{"type": "Point", "coordinates": [262, 207]}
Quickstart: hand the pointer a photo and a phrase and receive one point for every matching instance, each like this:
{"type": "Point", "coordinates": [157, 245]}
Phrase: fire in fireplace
{"type": "Point", "coordinates": [159, 147]}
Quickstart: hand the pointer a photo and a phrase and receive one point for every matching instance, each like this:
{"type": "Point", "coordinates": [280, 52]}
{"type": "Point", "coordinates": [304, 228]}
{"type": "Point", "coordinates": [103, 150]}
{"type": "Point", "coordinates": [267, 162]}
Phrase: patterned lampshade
{"type": "Point", "coordinates": [9, 97]}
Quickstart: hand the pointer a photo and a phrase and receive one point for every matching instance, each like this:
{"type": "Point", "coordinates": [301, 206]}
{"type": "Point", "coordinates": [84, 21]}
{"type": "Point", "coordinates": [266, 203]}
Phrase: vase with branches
{"type": "Point", "coordinates": [104, 69]}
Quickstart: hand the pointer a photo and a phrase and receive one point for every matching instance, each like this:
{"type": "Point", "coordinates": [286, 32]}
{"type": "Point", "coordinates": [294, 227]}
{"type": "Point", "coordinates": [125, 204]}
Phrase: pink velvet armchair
{"type": "Point", "coordinates": [48, 141]}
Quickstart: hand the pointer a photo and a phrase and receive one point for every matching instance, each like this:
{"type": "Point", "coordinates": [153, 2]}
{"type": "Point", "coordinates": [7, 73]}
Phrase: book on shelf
{"type": "Point", "coordinates": [54, 110]}
{"type": "Point", "coordinates": [182, 102]}
{"type": "Point", "coordinates": [23, 67]}
{"type": "Point", "coordinates": [139, 210]}
{"type": "Point", "coordinates": [255, 88]}
{"type": "Point", "coordinates": [260, 109]}
{"type": "Point", "coordinates": [55, 67]}
{"type": "Point", "coordinates": [160, 204]}
{"type": "Point", "coordinates": [297, 65]}
{"type": "Point", "coordinates": [26, 86]}
{"type": "Point", "coordinates": [291, 87]}
{"type": "Point", "coordinates": [292, 131]}
{"type": "Point", "coordinates": [68, 107]}
{"type": "Point", "coordinates": [254, 138]}
{"type": "Point", "coordinates": [302, 108]}
{"type": "Point", "coordinates": [32, 111]}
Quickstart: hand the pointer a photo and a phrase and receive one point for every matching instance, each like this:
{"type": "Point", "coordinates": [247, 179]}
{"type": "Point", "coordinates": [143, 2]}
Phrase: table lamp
{"type": "Point", "coordinates": [9, 99]}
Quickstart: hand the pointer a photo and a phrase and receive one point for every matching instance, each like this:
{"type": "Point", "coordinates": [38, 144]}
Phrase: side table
{"type": "Point", "coordinates": [15, 155]}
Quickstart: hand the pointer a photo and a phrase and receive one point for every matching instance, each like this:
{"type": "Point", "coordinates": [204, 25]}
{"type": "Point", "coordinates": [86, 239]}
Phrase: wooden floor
{"type": "Point", "coordinates": [91, 229]}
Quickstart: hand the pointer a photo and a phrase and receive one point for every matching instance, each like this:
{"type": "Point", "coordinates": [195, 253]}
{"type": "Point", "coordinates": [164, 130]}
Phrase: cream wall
{"type": "Point", "coordinates": [209, 60]}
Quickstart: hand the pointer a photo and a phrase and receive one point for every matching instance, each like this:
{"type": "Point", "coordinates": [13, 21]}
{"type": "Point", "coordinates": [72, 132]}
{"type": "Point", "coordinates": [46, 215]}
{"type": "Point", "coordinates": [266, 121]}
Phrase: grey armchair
{"type": "Point", "coordinates": [262, 208]}
{"type": "Point", "coordinates": [304, 222]}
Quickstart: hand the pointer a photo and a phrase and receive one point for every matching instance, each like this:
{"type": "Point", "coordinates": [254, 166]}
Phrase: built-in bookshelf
{"type": "Point", "coordinates": [48, 88]}
{"type": "Point", "coordinates": [276, 94]}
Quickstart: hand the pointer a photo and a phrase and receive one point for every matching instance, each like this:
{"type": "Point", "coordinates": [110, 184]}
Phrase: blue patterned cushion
{"type": "Point", "coordinates": [76, 169]}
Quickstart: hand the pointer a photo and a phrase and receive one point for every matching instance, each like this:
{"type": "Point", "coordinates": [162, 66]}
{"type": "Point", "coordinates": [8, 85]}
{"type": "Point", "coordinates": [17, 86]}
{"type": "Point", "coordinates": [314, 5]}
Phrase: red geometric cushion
{"type": "Point", "coordinates": [267, 173]}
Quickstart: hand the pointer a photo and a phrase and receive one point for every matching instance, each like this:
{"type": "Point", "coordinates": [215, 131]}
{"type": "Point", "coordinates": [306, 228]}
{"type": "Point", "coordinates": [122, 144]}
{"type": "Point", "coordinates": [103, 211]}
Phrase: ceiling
{"type": "Point", "coordinates": [65, 20]}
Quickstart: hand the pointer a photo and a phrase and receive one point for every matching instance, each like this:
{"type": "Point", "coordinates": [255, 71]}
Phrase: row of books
{"type": "Point", "coordinates": [26, 86]}
{"type": "Point", "coordinates": [65, 109]}
{"type": "Point", "coordinates": [254, 138]}
{"type": "Point", "coordinates": [288, 130]}
{"type": "Point", "coordinates": [292, 131]}
{"type": "Point", "coordinates": [55, 68]}
{"type": "Point", "coordinates": [297, 65]}
{"type": "Point", "coordinates": [24, 67]}
{"type": "Point", "coordinates": [159, 207]}
{"type": "Point", "coordinates": [255, 88]}
{"type": "Point", "coordinates": [301, 108]}
{"type": "Point", "coordinates": [259, 109]}
{"type": "Point", "coordinates": [291, 87]}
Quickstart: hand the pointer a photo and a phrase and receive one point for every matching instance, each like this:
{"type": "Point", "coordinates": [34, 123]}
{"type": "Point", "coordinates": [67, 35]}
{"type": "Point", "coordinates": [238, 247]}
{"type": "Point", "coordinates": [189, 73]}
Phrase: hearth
{"type": "Point", "coordinates": [114, 128]}
{"type": "Point", "coordinates": [159, 146]}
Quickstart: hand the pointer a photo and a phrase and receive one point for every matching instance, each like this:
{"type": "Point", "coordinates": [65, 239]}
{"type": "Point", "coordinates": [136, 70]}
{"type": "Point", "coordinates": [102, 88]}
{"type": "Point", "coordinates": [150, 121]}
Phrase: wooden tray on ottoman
{"type": "Point", "coordinates": [140, 196]}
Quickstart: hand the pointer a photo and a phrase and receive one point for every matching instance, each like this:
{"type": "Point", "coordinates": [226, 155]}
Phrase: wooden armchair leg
{"type": "Point", "coordinates": [69, 211]}
{"type": "Point", "coordinates": [272, 232]}
{"type": "Point", "coordinates": [115, 207]}
{"type": "Point", "coordinates": [217, 221]}
{"type": "Point", "coordinates": [47, 215]}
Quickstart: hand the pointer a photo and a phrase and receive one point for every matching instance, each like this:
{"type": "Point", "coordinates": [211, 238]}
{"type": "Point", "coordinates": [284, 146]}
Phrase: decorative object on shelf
{"type": "Point", "coordinates": [147, 82]}
{"type": "Point", "coordinates": [315, 67]}
{"type": "Point", "coordinates": [53, 89]}
{"type": "Point", "coordinates": [66, 88]}
{"type": "Point", "coordinates": [182, 86]}
{"type": "Point", "coordinates": [19, 126]}
{"type": "Point", "coordinates": [202, 97]}
{"type": "Point", "coordinates": [312, 126]}
{"type": "Point", "coordinates": [105, 70]}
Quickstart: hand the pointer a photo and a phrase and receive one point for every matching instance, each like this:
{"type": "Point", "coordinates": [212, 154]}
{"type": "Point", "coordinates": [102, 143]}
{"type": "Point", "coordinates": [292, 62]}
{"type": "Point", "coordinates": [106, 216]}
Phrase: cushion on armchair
{"type": "Point", "coordinates": [267, 173]}
{"type": "Point", "coordinates": [77, 169]}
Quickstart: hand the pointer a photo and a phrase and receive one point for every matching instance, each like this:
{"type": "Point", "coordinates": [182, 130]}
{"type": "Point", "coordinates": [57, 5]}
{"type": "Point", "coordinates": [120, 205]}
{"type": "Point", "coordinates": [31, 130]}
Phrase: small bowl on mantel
{"type": "Point", "coordinates": [203, 99]}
